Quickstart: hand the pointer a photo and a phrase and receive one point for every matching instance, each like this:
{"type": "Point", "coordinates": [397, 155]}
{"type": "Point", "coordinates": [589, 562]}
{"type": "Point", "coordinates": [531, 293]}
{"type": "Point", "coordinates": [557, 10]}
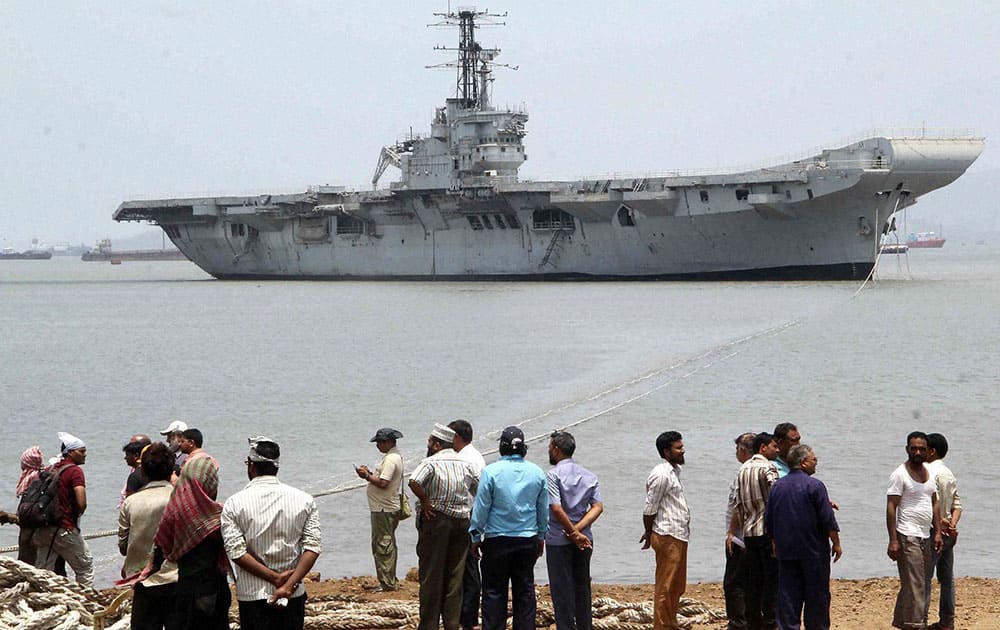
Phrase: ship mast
{"type": "Point", "coordinates": [475, 64]}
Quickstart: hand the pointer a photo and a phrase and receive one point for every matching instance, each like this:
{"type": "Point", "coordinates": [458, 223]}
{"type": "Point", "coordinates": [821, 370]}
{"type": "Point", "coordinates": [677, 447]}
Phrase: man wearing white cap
{"type": "Point", "coordinates": [172, 436]}
{"type": "Point", "coordinates": [64, 540]}
{"type": "Point", "coordinates": [444, 484]}
{"type": "Point", "coordinates": [271, 532]}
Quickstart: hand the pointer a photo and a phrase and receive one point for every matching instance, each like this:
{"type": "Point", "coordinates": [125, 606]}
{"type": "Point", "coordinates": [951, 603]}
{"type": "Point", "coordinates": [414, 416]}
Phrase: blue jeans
{"type": "Point", "coordinates": [569, 584]}
{"type": "Point", "coordinates": [944, 563]}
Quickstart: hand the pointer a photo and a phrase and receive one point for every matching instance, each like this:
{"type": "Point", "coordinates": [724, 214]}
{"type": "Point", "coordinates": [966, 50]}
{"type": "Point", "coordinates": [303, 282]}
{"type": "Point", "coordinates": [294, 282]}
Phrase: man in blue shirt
{"type": "Point", "coordinates": [800, 520]}
{"type": "Point", "coordinates": [509, 521]}
{"type": "Point", "coordinates": [574, 504]}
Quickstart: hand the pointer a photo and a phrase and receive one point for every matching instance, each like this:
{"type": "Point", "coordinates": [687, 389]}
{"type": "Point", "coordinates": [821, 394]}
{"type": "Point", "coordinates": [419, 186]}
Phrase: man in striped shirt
{"type": "Point", "coordinates": [271, 532]}
{"type": "Point", "coordinates": [443, 483]}
{"type": "Point", "coordinates": [667, 522]}
{"type": "Point", "coordinates": [759, 567]}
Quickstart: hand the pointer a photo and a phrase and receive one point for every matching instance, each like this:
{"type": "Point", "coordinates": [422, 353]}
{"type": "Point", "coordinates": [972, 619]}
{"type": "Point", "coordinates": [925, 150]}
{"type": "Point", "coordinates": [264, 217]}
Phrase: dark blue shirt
{"type": "Point", "coordinates": [799, 517]}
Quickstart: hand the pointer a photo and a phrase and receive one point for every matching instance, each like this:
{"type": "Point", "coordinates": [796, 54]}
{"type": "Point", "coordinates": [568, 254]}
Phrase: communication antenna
{"type": "Point", "coordinates": [475, 64]}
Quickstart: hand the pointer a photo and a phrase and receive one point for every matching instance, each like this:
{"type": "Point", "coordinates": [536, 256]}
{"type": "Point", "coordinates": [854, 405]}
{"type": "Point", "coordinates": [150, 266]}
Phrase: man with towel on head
{"type": "Point", "coordinates": [444, 483]}
{"type": "Point", "coordinates": [31, 463]}
{"type": "Point", "coordinates": [190, 536]}
{"type": "Point", "coordinates": [271, 532]}
{"type": "Point", "coordinates": [65, 540]}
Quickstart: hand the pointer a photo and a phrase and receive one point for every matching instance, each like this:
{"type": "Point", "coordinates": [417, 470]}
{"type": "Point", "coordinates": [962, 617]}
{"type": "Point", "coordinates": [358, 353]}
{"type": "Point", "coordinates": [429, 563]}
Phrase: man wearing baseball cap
{"type": "Point", "coordinates": [384, 486]}
{"type": "Point", "coordinates": [172, 436]}
{"type": "Point", "coordinates": [509, 522]}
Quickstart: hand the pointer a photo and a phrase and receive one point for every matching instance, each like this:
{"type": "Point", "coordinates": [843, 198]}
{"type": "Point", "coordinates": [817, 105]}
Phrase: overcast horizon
{"type": "Point", "coordinates": [103, 102]}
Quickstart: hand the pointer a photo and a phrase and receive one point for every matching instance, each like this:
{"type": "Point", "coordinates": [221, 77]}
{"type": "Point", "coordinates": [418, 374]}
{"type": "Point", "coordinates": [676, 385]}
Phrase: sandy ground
{"type": "Point", "coordinates": [857, 604]}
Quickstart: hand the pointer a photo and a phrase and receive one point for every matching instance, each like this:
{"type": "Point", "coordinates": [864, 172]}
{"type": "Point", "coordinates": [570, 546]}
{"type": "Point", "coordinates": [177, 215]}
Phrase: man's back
{"type": "Point", "coordinates": [799, 517]}
{"type": "Point", "coordinates": [273, 522]}
{"type": "Point", "coordinates": [576, 489]}
{"type": "Point", "coordinates": [512, 499]}
{"type": "Point", "coordinates": [449, 482]}
{"type": "Point", "coordinates": [754, 481]}
{"type": "Point", "coordinates": [138, 521]}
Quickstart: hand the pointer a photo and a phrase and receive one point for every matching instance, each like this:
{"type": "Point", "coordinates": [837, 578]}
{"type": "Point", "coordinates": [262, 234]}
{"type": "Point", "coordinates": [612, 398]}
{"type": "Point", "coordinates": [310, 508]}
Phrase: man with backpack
{"type": "Point", "coordinates": [53, 506]}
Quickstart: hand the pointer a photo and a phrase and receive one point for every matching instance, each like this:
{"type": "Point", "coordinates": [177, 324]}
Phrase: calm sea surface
{"type": "Point", "coordinates": [106, 351]}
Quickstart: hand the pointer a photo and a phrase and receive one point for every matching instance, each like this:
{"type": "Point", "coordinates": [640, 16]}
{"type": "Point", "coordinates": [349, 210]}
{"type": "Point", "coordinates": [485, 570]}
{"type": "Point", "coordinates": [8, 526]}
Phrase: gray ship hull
{"type": "Point", "coordinates": [818, 218]}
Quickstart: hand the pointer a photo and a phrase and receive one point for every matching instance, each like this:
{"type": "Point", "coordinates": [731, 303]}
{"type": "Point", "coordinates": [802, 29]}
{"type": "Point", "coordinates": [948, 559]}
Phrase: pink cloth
{"type": "Point", "coordinates": [31, 463]}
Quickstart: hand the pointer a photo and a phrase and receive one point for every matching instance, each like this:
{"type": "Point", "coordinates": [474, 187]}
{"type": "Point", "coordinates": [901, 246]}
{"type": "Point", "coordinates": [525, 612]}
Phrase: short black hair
{"type": "Point", "coordinates": [462, 429]}
{"type": "Point", "coordinates": [937, 442]}
{"type": "Point", "coordinates": [564, 441]}
{"type": "Point", "coordinates": [134, 448]}
{"type": "Point", "coordinates": [157, 462]}
{"type": "Point", "coordinates": [194, 435]}
{"type": "Point", "coordinates": [506, 448]}
{"type": "Point", "coordinates": [665, 439]}
{"type": "Point", "coordinates": [919, 435]}
{"type": "Point", "coordinates": [782, 430]}
{"type": "Point", "coordinates": [762, 438]}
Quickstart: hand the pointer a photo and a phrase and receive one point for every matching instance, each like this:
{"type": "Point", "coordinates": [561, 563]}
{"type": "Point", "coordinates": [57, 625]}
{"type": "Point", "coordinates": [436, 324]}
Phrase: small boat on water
{"type": "Point", "coordinates": [895, 248]}
{"type": "Point", "coordinates": [924, 240]}
{"type": "Point", "coordinates": [8, 253]}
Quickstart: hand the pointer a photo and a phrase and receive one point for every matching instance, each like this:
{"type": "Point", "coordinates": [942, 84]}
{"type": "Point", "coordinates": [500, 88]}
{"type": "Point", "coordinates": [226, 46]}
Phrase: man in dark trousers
{"type": "Point", "coordinates": [801, 523]}
{"type": "Point", "coordinates": [509, 521]}
{"type": "Point", "coordinates": [574, 504]}
{"type": "Point", "coordinates": [272, 534]}
{"type": "Point", "coordinates": [443, 484]}
{"type": "Point", "coordinates": [760, 572]}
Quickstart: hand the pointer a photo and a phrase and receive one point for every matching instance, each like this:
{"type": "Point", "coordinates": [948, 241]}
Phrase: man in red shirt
{"type": "Point", "coordinates": [65, 540]}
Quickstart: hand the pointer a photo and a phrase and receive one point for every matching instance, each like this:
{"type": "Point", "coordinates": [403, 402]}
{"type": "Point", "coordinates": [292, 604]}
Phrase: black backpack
{"type": "Point", "coordinates": [40, 506]}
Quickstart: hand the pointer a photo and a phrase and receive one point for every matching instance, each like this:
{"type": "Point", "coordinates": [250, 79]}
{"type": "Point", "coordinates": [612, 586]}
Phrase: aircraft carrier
{"type": "Point", "coordinates": [459, 211]}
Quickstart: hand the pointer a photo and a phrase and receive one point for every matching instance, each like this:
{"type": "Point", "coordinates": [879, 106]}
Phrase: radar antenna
{"type": "Point", "coordinates": [475, 64]}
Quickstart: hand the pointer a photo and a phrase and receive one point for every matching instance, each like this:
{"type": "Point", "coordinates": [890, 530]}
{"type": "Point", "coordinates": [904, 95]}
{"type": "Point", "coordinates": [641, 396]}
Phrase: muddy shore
{"type": "Point", "coordinates": [857, 604]}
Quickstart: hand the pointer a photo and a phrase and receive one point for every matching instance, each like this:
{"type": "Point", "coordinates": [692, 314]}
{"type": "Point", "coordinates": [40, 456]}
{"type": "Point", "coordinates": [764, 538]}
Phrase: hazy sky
{"type": "Point", "coordinates": [104, 101]}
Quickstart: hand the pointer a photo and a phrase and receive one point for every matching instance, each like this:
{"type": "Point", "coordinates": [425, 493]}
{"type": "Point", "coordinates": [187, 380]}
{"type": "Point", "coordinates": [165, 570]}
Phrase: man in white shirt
{"type": "Point", "coordinates": [271, 532]}
{"type": "Point", "coordinates": [667, 524]}
{"type": "Point", "coordinates": [471, 580]}
{"type": "Point", "coordinates": [911, 511]}
{"type": "Point", "coordinates": [384, 500]}
{"type": "Point", "coordinates": [950, 509]}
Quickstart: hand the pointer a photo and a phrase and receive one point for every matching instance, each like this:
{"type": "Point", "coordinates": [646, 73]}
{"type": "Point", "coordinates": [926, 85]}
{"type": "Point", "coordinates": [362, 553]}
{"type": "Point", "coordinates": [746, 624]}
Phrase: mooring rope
{"type": "Point", "coordinates": [32, 598]}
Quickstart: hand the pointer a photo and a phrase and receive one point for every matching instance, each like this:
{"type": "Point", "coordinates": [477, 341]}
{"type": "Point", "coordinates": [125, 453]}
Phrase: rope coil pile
{"type": "Point", "coordinates": [36, 599]}
{"type": "Point", "coordinates": [336, 612]}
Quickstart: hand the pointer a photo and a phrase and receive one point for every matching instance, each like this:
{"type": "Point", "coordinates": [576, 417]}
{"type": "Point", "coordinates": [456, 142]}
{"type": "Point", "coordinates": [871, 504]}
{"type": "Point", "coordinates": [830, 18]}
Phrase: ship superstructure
{"type": "Point", "coordinates": [459, 210]}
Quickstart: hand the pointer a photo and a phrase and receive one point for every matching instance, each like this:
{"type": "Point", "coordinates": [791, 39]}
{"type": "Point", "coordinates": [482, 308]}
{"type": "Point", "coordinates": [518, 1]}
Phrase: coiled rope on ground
{"type": "Point", "coordinates": [36, 599]}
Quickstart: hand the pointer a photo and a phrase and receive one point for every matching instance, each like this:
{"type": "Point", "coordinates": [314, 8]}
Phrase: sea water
{"type": "Point", "coordinates": [105, 351]}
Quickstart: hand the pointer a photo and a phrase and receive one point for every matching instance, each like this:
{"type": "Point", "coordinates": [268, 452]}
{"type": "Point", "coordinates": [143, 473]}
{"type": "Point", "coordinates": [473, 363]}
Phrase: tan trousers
{"type": "Point", "coordinates": [914, 560]}
{"type": "Point", "coordinates": [671, 580]}
{"type": "Point", "coordinates": [384, 548]}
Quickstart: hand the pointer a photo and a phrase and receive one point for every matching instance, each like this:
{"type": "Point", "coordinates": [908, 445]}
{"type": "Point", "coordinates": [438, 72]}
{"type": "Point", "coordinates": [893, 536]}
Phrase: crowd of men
{"type": "Point", "coordinates": [482, 528]}
{"type": "Point", "coordinates": [182, 547]}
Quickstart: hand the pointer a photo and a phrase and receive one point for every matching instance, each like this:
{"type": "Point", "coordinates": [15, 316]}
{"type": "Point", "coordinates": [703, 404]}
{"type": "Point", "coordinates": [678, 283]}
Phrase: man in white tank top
{"type": "Point", "coordinates": [911, 511]}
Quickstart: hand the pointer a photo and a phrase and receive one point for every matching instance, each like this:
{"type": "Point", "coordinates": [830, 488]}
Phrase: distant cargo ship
{"type": "Point", "coordinates": [925, 240]}
{"type": "Point", "coordinates": [10, 254]}
{"type": "Point", "coordinates": [460, 211]}
{"type": "Point", "coordinates": [104, 253]}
